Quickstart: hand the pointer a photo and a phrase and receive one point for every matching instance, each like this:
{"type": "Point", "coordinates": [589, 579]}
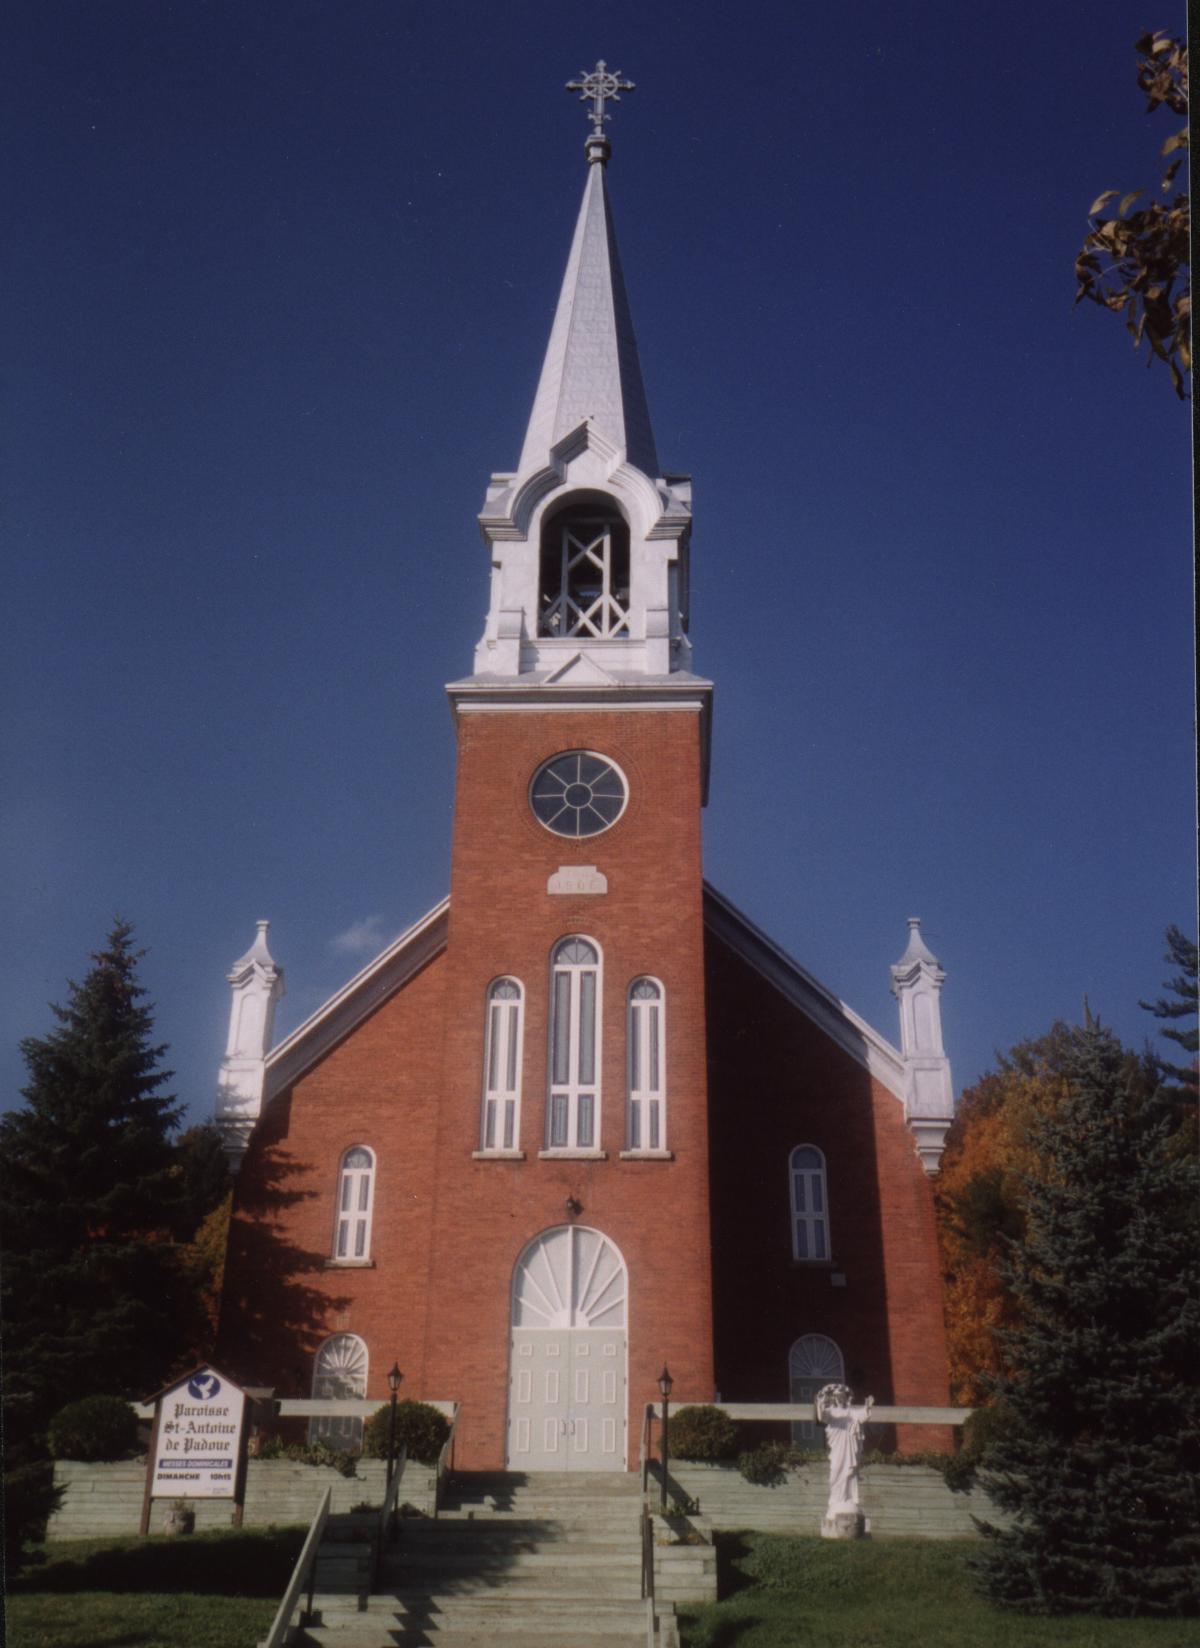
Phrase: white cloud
{"type": "Point", "coordinates": [361, 938]}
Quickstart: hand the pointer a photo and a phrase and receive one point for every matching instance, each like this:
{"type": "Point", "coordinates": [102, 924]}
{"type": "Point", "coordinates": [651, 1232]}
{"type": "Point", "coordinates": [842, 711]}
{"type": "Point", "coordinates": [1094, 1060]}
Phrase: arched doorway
{"type": "Point", "coordinates": [567, 1388]}
{"type": "Point", "coordinates": [814, 1360]}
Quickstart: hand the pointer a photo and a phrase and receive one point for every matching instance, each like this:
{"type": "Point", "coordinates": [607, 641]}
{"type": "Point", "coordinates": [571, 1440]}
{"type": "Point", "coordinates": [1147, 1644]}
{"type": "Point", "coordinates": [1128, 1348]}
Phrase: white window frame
{"type": "Point", "coordinates": [646, 1065]}
{"type": "Point", "coordinates": [340, 1431]}
{"type": "Point", "coordinates": [354, 1209]}
{"type": "Point", "coordinates": [572, 1100]}
{"type": "Point", "coordinates": [503, 1049]}
{"type": "Point", "coordinates": [808, 1188]}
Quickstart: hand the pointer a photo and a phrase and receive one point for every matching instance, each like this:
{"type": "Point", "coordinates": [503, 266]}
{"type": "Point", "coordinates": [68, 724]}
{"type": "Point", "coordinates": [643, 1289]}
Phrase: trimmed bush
{"type": "Point", "coordinates": [704, 1433]}
{"type": "Point", "coordinates": [418, 1426]}
{"type": "Point", "coordinates": [96, 1428]}
{"type": "Point", "coordinates": [766, 1465]}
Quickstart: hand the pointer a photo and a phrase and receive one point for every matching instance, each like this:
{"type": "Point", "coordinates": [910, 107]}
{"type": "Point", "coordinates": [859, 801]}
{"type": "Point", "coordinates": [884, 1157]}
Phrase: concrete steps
{"type": "Point", "coordinates": [551, 1560]}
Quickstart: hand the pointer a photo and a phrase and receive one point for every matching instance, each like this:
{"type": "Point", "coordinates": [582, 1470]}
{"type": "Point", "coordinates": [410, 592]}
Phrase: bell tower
{"type": "Point", "coordinates": [573, 1104]}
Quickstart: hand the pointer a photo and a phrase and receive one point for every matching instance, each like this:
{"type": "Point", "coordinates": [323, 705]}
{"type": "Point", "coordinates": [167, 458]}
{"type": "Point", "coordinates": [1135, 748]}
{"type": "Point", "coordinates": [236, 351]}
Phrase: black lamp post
{"type": "Point", "coordinates": [664, 1384]}
{"type": "Point", "coordinates": [394, 1378]}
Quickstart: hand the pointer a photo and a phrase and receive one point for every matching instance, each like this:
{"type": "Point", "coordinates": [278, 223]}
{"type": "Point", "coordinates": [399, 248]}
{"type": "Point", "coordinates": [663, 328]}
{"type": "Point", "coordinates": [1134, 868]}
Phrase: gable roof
{"type": "Point", "coordinates": [348, 1006]}
{"type": "Point", "coordinates": [827, 1011]}
{"type": "Point", "coordinates": [426, 938]}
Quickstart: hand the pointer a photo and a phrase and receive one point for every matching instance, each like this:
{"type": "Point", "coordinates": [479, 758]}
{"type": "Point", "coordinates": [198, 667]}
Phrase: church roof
{"type": "Point", "coordinates": [591, 372]}
{"type": "Point", "coordinates": [841, 1023]}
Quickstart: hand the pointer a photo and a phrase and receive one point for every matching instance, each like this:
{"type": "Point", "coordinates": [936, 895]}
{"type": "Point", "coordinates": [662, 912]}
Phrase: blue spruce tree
{"type": "Point", "coordinates": [1097, 1460]}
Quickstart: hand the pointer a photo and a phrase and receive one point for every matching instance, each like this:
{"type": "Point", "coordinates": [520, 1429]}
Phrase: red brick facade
{"type": "Point", "coordinates": [718, 1299]}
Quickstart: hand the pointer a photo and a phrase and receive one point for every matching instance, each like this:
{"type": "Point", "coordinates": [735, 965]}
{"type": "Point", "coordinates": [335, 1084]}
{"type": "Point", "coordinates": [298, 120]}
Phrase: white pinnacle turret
{"type": "Point", "coordinates": [917, 980]}
{"type": "Point", "coordinates": [257, 986]}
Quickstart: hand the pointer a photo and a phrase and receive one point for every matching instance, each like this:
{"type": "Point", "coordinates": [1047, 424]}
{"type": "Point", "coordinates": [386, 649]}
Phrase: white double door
{"type": "Point", "coordinates": [567, 1400]}
{"type": "Point", "coordinates": [567, 1393]}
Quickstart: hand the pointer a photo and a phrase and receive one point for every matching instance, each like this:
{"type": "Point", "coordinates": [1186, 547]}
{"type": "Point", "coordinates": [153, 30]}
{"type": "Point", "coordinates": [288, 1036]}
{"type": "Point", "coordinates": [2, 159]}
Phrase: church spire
{"type": "Point", "coordinates": [591, 372]}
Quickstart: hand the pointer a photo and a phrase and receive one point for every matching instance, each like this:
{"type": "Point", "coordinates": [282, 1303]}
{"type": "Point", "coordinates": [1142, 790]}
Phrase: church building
{"type": "Point", "coordinates": [584, 1119]}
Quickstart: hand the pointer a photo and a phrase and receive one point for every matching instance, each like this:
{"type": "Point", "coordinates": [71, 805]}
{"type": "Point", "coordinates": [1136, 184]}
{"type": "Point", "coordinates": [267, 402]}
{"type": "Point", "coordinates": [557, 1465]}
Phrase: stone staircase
{"type": "Point", "coordinates": [550, 1560]}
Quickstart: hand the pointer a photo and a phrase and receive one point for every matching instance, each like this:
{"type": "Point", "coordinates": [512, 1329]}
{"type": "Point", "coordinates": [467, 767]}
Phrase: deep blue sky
{"type": "Point", "coordinates": [279, 277]}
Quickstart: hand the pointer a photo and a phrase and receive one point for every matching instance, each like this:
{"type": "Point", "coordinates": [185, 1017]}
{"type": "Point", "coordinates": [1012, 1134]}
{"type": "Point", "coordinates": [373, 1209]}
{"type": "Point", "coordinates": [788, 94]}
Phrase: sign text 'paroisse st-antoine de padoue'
{"type": "Point", "coordinates": [198, 1438]}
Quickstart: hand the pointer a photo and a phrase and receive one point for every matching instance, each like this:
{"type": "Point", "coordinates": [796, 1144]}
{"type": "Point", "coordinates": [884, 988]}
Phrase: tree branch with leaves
{"type": "Point", "coordinates": [1137, 263]}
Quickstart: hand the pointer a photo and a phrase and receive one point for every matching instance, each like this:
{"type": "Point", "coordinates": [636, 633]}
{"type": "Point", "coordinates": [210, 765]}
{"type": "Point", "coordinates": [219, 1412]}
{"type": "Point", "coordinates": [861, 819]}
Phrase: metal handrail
{"type": "Point", "coordinates": [387, 1511]}
{"type": "Point", "coordinates": [648, 1571]}
{"type": "Point", "coordinates": [644, 1452]}
{"type": "Point", "coordinates": [881, 1414]}
{"type": "Point", "coordinates": [303, 1573]}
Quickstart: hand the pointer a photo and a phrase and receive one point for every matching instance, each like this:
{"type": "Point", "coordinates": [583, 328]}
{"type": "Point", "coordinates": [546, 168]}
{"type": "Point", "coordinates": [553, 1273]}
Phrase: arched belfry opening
{"type": "Point", "coordinates": [583, 582]}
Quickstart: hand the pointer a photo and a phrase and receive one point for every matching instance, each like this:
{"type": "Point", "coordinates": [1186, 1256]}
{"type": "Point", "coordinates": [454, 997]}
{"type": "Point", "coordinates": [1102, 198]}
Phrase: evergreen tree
{"type": "Point", "coordinates": [1181, 953]}
{"type": "Point", "coordinates": [1098, 1457]}
{"type": "Point", "coordinates": [93, 1297]}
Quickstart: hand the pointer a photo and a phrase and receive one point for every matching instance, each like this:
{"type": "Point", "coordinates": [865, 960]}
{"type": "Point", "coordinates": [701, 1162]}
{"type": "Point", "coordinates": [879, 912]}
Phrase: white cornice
{"type": "Point", "coordinates": [841, 1023]}
{"type": "Point", "coordinates": [355, 1000]}
{"type": "Point", "coordinates": [477, 694]}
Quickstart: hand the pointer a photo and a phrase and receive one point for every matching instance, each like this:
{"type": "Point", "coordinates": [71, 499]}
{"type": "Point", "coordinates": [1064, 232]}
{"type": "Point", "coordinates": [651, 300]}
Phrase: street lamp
{"type": "Point", "coordinates": [664, 1384]}
{"type": "Point", "coordinates": [394, 1378]}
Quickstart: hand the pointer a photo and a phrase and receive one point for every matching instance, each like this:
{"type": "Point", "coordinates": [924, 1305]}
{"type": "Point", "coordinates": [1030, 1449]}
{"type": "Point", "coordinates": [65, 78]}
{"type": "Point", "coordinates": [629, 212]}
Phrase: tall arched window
{"type": "Point", "coordinates": [584, 571]}
{"type": "Point", "coordinates": [339, 1371]}
{"type": "Point", "coordinates": [355, 1199]}
{"type": "Point", "coordinates": [810, 1204]}
{"type": "Point", "coordinates": [573, 1112]}
{"type": "Point", "coordinates": [502, 1066]}
{"type": "Point", "coordinates": [647, 1123]}
{"type": "Point", "coordinates": [813, 1361]}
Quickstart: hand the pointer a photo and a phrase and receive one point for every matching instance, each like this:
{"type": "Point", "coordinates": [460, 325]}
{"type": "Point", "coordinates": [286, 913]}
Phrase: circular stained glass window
{"type": "Point", "coordinates": [578, 794]}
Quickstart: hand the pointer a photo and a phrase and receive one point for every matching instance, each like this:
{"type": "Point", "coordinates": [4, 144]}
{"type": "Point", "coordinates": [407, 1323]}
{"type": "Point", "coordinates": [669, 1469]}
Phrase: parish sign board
{"type": "Point", "coordinates": [196, 1449]}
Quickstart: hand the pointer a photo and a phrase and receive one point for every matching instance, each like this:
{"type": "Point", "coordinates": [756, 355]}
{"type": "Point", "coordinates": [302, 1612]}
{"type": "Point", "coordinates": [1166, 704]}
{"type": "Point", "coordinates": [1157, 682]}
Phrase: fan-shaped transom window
{"type": "Point", "coordinates": [571, 1277]}
{"type": "Point", "coordinates": [355, 1198]}
{"type": "Point", "coordinates": [810, 1209]}
{"type": "Point", "coordinates": [814, 1360]}
{"type": "Point", "coordinates": [573, 1107]}
{"type": "Point", "coordinates": [339, 1371]}
{"type": "Point", "coordinates": [577, 794]}
{"type": "Point", "coordinates": [646, 1123]}
{"type": "Point", "coordinates": [584, 574]}
{"type": "Point", "coordinates": [502, 1066]}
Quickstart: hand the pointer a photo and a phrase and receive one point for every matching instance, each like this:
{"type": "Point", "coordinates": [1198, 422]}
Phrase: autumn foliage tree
{"type": "Point", "coordinates": [1136, 263]}
{"type": "Point", "coordinates": [980, 1202]}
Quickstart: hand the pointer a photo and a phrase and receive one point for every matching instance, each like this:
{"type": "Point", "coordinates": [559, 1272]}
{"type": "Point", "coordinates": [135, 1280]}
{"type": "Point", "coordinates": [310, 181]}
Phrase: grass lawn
{"type": "Point", "coordinates": [783, 1592]}
{"type": "Point", "coordinates": [211, 1590]}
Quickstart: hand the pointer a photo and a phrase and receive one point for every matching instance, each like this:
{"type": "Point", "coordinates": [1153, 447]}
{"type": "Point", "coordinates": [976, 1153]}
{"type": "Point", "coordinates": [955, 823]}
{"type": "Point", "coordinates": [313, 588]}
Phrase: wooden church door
{"type": "Point", "coordinates": [567, 1368]}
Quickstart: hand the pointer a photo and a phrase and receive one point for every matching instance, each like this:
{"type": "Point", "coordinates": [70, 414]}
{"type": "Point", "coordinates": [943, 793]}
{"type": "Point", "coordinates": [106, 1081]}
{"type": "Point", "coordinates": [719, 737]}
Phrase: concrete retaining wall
{"type": "Point", "coordinates": [897, 1499]}
{"type": "Point", "coordinates": [102, 1501]}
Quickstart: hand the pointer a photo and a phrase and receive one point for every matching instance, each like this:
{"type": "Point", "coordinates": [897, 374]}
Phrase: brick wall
{"type": "Point", "coordinates": [777, 1081]}
{"type": "Point", "coordinates": [503, 920]}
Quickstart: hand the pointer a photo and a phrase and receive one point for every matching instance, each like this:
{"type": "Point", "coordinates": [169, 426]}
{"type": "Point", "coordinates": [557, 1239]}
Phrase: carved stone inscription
{"type": "Point", "coordinates": [577, 878]}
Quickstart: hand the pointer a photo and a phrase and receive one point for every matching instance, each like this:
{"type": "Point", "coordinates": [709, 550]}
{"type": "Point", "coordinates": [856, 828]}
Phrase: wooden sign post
{"type": "Point", "coordinates": [198, 1442]}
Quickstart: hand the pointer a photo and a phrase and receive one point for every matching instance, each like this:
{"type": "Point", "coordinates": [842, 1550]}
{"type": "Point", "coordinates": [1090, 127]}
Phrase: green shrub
{"type": "Point", "coordinates": [418, 1426]}
{"type": "Point", "coordinates": [703, 1433]}
{"type": "Point", "coordinates": [766, 1465]}
{"type": "Point", "coordinates": [309, 1453]}
{"type": "Point", "coordinates": [94, 1428]}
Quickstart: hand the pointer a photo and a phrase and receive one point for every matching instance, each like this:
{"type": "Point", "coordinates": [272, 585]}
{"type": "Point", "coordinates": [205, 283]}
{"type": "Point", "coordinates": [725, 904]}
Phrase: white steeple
{"type": "Point", "coordinates": [917, 980]}
{"type": "Point", "coordinates": [591, 373]}
{"type": "Point", "coordinates": [257, 987]}
{"type": "Point", "coordinates": [588, 539]}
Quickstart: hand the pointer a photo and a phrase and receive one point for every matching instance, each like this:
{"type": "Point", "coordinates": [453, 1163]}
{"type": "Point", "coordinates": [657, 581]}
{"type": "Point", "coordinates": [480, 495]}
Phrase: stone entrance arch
{"type": "Point", "coordinates": [568, 1351]}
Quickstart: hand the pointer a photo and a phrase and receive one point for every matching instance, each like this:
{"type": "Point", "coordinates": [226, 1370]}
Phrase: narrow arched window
{"type": "Point", "coordinates": [810, 1204]}
{"type": "Point", "coordinates": [355, 1199]}
{"type": "Point", "coordinates": [339, 1371]}
{"type": "Point", "coordinates": [646, 1123]}
{"type": "Point", "coordinates": [813, 1361]}
{"type": "Point", "coordinates": [502, 1066]}
{"type": "Point", "coordinates": [584, 582]}
{"type": "Point", "coordinates": [573, 1111]}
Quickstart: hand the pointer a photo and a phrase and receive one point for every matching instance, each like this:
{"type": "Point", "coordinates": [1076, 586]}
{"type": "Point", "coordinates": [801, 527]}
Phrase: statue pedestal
{"type": "Point", "coordinates": [847, 1524]}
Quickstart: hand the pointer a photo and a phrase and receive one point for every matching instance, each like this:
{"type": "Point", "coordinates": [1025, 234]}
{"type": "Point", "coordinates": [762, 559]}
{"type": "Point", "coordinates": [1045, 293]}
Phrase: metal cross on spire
{"type": "Point", "coordinates": [599, 86]}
